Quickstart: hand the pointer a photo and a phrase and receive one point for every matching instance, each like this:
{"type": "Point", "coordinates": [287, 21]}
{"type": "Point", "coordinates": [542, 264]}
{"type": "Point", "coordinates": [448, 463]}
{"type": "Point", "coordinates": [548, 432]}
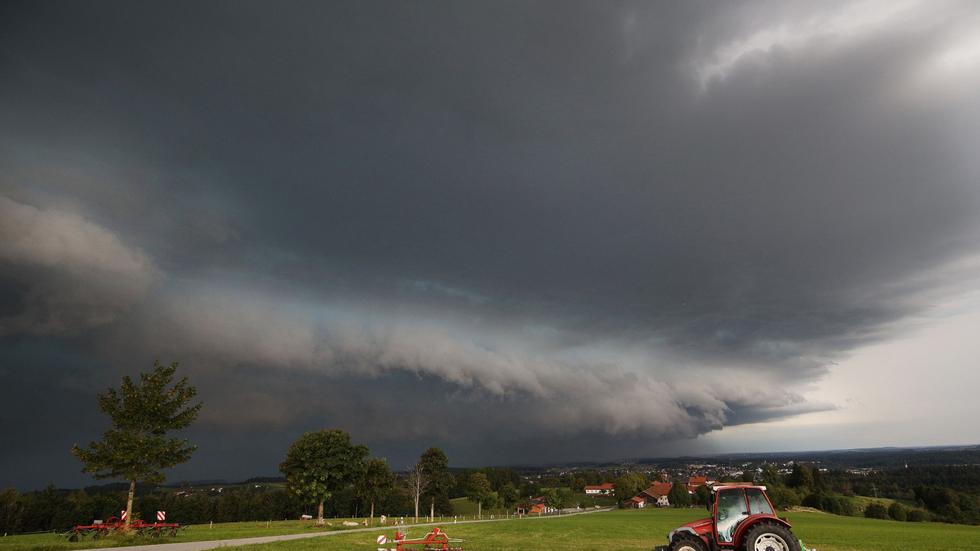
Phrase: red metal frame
{"type": "Point", "coordinates": [434, 540]}
{"type": "Point", "coordinates": [115, 525]}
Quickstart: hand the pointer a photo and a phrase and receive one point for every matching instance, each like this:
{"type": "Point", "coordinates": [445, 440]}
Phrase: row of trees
{"type": "Point", "coordinates": [324, 470]}
{"type": "Point", "coordinates": [319, 466]}
{"type": "Point", "coordinates": [53, 509]}
{"type": "Point", "coordinates": [834, 492]}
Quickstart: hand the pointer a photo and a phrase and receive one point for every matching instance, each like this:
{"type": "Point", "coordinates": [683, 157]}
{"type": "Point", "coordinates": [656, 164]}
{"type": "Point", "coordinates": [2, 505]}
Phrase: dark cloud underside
{"type": "Point", "coordinates": [673, 217]}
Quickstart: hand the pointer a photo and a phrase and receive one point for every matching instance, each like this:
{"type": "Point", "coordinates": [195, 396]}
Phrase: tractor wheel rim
{"type": "Point", "coordinates": [770, 542]}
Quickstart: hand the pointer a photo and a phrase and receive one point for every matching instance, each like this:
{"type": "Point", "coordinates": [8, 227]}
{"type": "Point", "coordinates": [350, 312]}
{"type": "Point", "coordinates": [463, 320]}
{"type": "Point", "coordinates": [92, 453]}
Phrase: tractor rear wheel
{"type": "Point", "coordinates": [768, 536]}
{"type": "Point", "coordinates": [687, 542]}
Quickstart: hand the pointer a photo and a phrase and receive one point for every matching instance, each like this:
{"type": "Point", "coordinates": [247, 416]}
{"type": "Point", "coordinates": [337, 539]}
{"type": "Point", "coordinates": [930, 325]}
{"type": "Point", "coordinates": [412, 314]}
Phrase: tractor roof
{"type": "Point", "coordinates": [731, 485]}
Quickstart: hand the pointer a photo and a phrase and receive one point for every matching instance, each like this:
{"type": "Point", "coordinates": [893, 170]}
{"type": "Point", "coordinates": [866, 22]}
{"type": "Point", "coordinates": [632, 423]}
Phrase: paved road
{"type": "Point", "coordinates": [213, 544]}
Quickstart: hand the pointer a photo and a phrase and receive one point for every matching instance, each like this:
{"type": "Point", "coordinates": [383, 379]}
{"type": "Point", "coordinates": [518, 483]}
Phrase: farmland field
{"type": "Point", "coordinates": [605, 531]}
{"type": "Point", "coordinates": [641, 530]}
{"type": "Point", "coordinates": [229, 530]}
{"type": "Point", "coordinates": [463, 506]}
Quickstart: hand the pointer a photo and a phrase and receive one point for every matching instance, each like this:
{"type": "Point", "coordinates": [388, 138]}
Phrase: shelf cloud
{"type": "Point", "coordinates": [573, 229]}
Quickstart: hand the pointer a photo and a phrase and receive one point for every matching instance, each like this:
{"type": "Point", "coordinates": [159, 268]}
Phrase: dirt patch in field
{"type": "Point", "coordinates": [801, 509]}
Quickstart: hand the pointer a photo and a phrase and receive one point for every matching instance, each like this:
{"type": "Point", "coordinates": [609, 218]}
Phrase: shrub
{"type": "Point", "coordinates": [898, 512]}
{"type": "Point", "coordinates": [876, 510]}
{"type": "Point", "coordinates": [917, 515]}
{"type": "Point", "coordinates": [838, 505]}
{"type": "Point", "coordinates": [783, 498]}
{"type": "Point", "coordinates": [846, 506]}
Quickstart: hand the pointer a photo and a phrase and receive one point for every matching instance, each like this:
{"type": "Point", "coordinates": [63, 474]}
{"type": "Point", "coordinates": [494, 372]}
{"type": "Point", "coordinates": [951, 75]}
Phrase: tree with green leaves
{"type": "Point", "coordinates": [679, 496]}
{"type": "Point", "coordinates": [898, 512]}
{"type": "Point", "coordinates": [557, 498]}
{"type": "Point", "coordinates": [800, 478]}
{"type": "Point", "coordinates": [770, 474]}
{"type": "Point", "coordinates": [876, 510]}
{"type": "Point", "coordinates": [509, 496]}
{"type": "Point", "coordinates": [435, 467]}
{"type": "Point", "coordinates": [630, 484]}
{"type": "Point", "coordinates": [143, 412]}
{"type": "Point", "coordinates": [478, 490]}
{"type": "Point", "coordinates": [702, 496]}
{"type": "Point", "coordinates": [376, 483]}
{"type": "Point", "coordinates": [320, 463]}
{"type": "Point", "coordinates": [565, 496]}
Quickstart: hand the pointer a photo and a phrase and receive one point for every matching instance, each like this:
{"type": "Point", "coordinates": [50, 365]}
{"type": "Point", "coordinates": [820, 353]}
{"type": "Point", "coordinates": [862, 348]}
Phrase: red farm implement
{"type": "Point", "coordinates": [115, 525]}
{"type": "Point", "coordinates": [436, 540]}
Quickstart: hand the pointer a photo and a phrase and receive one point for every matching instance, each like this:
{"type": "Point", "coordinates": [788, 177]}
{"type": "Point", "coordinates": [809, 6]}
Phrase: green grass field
{"type": "Point", "coordinates": [603, 531]}
{"type": "Point", "coordinates": [641, 530]}
{"type": "Point", "coordinates": [55, 542]}
{"type": "Point", "coordinates": [463, 506]}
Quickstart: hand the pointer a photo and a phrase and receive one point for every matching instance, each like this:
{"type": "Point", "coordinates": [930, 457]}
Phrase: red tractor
{"type": "Point", "coordinates": [742, 518]}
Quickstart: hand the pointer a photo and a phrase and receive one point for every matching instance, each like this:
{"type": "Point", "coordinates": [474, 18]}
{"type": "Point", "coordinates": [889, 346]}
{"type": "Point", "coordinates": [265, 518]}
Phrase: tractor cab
{"type": "Point", "coordinates": [742, 517]}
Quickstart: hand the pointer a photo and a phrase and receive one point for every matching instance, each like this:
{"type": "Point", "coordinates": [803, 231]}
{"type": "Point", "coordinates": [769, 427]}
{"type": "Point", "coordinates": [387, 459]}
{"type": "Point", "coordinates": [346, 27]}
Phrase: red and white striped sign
{"type": "Point", "coordinates": [122, 515]}
{"type": "Point", "coordinates": [161, 516]}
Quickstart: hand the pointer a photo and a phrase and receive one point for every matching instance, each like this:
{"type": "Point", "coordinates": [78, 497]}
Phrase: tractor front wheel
{"type": "Point", "coordinates": [767, 536]}
{"type": "Point", "coordinates": [687, 542]}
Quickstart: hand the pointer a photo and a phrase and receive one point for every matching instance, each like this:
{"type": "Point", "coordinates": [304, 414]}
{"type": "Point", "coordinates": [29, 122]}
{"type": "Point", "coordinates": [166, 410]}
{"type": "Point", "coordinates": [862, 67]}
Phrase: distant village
{"type": "Point", "coordinates": [660, 481]}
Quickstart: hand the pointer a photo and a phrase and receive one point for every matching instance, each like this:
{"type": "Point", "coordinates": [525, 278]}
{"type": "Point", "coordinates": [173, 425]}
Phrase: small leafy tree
{"type": "Point", "coordinates": [376, 482]}
{"type": "Point", "coordinates": [917, 515]}
{"type": "Point", "coordinates": [509, 496]}
{"type": "Point", "coordinates": [702, 495]}
{"type": "Point", "coordinates": [629, 485]}
{"type": "Point", "coordinates": [435, 466]}
{"type": "Point", "coordinates": [137, 448]}
{"type": "Point", "coordinates": [678, 495]}
{"type": "Point", "coordinates": [801, 477]}
{"type": "Point", "coordinates": [770, 474]}
{"type": "Point", "coordinates": [551, 498]}
{"type": "Point", "coordinates": [876, 510]}
{"type": "Point", "coordinates": [478, 490]}
{"type": "Point", "coordinates": [320, 463]}
{"type": "Point", "coordinates": [565, 496]}
{"type": "Point", "coordinates": [783, 497]}
{"type": "Point", "coordinates": [898, 512]}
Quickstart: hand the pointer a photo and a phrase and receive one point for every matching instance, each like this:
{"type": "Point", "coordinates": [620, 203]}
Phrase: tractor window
{"type": "Point", "coordinates": [758, 504]}
{"type": "Point", "coordinates": [731, 511]}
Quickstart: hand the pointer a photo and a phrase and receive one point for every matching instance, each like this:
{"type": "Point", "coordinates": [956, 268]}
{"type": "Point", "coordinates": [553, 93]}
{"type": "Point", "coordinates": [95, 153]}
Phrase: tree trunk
{"type": "Point", "coordinates": [129, 505]}
{"type": "Point", "coordinates": [372, 512]}
{"type": "Point", "coordinates": [479, 509]}
{"type": "Point", "coordinates": [416, 508]}
{"type": "Point", "coordinates": [432, 510]}
{"type": "Point", "coordinates": [319, 513]}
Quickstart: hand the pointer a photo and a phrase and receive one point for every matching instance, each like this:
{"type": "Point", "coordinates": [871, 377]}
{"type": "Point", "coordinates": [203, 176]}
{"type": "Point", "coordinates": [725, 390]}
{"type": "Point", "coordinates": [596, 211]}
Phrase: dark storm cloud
{"type": "Point", "coordinates": [645, 222]}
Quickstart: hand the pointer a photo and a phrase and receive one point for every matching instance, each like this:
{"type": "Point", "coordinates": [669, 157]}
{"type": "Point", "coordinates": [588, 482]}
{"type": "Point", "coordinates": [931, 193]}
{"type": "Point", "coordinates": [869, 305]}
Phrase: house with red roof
{"type": "Point", "coordinates": [635, 502]}
{"type": "Point", "coordinates": [694, 482]}
{"type": "Point", "coordinates": [535, 506]}
{"type": "Point", "coordinates": [655, 495]}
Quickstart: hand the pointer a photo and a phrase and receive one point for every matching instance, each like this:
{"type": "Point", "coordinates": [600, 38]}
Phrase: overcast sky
{"type": "Point", "coordinates": [522, 231]}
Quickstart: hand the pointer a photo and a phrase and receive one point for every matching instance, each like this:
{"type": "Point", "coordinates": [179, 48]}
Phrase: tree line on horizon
{"type": "Point", "coordinates": [323, 469]}
{"type": "Point", "coordinates": [326, 473]}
